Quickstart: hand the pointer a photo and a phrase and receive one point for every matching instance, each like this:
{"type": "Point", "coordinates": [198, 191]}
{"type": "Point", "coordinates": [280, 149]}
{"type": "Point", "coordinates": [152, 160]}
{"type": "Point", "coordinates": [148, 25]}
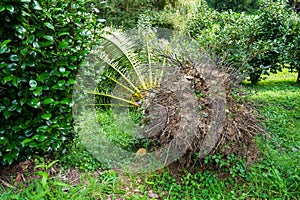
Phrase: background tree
{"type": "Point", "coordinates": [235, 5]}
{"type": "Point", "coordinates": [125, 13]}
{"type": "Point", "coordinates": [256, 44]}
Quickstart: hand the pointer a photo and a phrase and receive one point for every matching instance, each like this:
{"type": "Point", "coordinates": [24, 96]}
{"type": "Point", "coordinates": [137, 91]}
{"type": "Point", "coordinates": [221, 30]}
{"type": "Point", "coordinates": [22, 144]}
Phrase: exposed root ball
{"type": "Point", "coordinates": [203, 121]}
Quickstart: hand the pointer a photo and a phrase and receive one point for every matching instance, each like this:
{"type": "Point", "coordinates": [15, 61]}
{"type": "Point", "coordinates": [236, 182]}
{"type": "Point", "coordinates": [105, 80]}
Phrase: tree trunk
{"type": "Point", "coordinates": [298, 78]}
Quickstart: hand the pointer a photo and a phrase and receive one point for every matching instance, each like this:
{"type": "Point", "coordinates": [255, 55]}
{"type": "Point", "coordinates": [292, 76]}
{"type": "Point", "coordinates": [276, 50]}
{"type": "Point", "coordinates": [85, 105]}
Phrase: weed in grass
{"type": "Point", "coordinates": [90, 186]}
{"type": "Point", "coordinates": [78, 156]}
{"type": "Point", "coordinates": [200, 185]}
{"type": "Point", "coordinates": [121, 133]}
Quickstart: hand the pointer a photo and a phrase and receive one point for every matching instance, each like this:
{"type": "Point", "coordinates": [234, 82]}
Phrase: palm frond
{"type": "Point", "coordinates": [149, 62]}
{"type": "Point", "coordinates": [109, 104]}
{"type": "Point", "coordinates": [118, 45]}
{"type": "Point", "coordinates": [120, 84]}
{"type": "Point", "coordinates": [115, 66]}
{"type": "Point", "coordinates": [113, 97]}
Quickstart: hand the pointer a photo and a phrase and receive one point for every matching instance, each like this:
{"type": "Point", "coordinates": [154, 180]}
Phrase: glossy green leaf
{"type": "Point", "coordinates": [2, 8]}
{"type": "Point", "coordinates": [10, 8]}
{"type": "Point", "coordinates": [63, 33]}
{"type": "Point", "coordinates": [73, 58]}
{"type": "Point", "coordinates": [12, 66]}
{"type": "Point", "coordinates": [29, 63]}
{"type": "Point", "coordinates": [14, 58]}
{"type": "Point", "coordinates": [42, 129]}
{"type": "Point", "coordinates": [16, 128]}
{"type": "Point", "coordinates": [48, 101]}
{"type": "Point", "coordinates": [2, 107]}
{"type": "Point", "coordinates": [3, 140]}
{"type": "Point", "coordinates": [35, 102]}
{"type": "Point", "coordinates": [23, 101]}
{"type": "Point", "coordinates": [2, 65]}
{"type": "Point", "coordinates": [62, 45]}
{"type": "Point", "coordinates": [4, 49]}
{"type": "Point", "coordinates": [61, 83]}
{"type": "Point", "coordinates": [35, 44]}
{"type": "Point", "coordinates": [46, 116]}
{"type": "Point", "coordinates": [62, 69]}
{"type": "Point", "coordinates": [49, 37]}
{"type": "Point", "coordinates": [50, 26]}
{"type": "Point", "coordinates": [66, 101]}
{"type": "Point", "coordinates": [71, 81]}
{"type": "Point", "coordinates": [15, 81]}
{"type": "Point", "coordinates": [9, 158]}
{"type": "Point", "coordinates": [38, 91]}
{"type": "Point", "coordinates": [12, 108]}
{"type": "Point", "coordinates": [24, 51]}
{"type": "Point", "coordinates": [7, 79]}
{"type": "Point", "coordinates": [26, 141]}
{"type": "Point", "coordinates": [36, 5]}
{"type": "Point", "coordinates": [21, 29]}
{"type": "Point", "coordinates": [6, 114]}
{"type": "Point", "coordinates": [32, 83]}
{"type": "Point", "coordinates": [42, 138]}
{"type": "Point", "coordinates": [66, 74]}
{"type": "Point", "coordinates": [33, 144]}
{"type": "Point", "coordinates": [4, 43]}
{"type": "Point", "coordinates": [30, 39]}
{"type": "Point", "coordinates": [44, 75]}
{"type": "Point", "coordinates": [6, 101]}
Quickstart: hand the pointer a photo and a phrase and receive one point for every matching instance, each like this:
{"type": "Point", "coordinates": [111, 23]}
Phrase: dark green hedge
{"type": "Point", "coordinates": [42, 44]}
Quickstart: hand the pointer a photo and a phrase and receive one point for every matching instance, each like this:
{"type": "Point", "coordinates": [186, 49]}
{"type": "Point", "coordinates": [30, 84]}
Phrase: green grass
{"type": "Point", "coordinates": [275, 176]}
{"type": "Point", "coordinates": [278, 101]}
{"type": "Point", "coordinates": [90, 188]}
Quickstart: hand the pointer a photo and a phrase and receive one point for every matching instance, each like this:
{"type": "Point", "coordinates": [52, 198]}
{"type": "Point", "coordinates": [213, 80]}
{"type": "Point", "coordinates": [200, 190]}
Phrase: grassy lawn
{"type": "Point", "coordinates": [275, 176]}
{"type": "Point", "coordinates": [278, 101]}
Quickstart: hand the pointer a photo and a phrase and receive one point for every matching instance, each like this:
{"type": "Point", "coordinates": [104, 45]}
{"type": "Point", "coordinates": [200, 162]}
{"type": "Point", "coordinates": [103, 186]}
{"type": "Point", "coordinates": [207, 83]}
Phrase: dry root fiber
{"type": "Point", "coordinates": [197, 112]}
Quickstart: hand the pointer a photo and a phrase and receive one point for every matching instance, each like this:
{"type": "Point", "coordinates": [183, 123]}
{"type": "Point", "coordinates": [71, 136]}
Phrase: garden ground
{"type": "Point", "coordinates": [77, 175]}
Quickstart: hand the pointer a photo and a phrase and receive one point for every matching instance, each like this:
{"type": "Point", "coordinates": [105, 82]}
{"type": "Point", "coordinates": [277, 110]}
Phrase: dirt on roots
{"type": "Point", "coordinates": [205, 121]}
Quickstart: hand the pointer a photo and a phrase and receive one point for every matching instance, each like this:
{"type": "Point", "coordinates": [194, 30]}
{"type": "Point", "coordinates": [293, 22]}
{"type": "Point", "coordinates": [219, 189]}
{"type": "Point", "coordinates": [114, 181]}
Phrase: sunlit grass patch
{"type": "Point", "coordinates": [278, 100]}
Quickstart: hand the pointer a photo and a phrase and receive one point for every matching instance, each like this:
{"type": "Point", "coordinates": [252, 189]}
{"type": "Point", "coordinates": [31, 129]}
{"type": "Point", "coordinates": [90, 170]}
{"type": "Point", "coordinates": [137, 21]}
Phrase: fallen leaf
{"type": "Point", "coordinates": [140, 152]}
{"type": "Point", "coordinates": [18, 179]}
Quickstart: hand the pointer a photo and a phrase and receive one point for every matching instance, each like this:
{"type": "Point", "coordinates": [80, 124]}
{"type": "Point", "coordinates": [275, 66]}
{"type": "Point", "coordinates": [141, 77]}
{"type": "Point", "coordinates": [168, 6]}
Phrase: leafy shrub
{"type": "Point", "coordinates": [228, 36]}
{"type": "Point", "coordinates": [78, 156]}
{"type": "Point", "coordinates": [255, 44]}
{"type": "Point", "coordinates": [175, 17]}
{"type": "Point", "coordinates": [235, 5]}
{"type": "Point", "coordinates": [293, 44]}
{"type": "Point", "coordinates": [41, 46]}
{"type": "Point", "coordinates": [125, 13]}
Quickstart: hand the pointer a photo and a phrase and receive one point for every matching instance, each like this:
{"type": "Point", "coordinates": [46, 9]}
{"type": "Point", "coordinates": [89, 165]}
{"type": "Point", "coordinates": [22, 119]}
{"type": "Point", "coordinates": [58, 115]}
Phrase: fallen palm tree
{"type": "Point", "coordinates": [183, 100]}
